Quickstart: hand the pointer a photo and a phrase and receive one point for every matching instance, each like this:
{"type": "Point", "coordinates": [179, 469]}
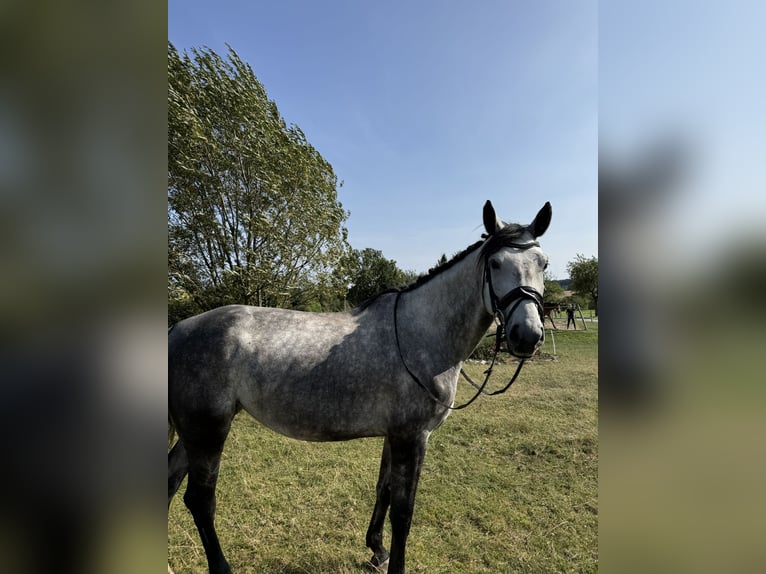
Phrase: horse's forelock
{"type": "Point", "coordinates": [504, 237]}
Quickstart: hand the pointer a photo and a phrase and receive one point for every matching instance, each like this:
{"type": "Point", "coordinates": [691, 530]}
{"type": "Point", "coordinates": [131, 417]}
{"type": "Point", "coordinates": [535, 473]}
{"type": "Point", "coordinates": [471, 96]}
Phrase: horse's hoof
{"type": "Point", "coordinates": [379, 566]}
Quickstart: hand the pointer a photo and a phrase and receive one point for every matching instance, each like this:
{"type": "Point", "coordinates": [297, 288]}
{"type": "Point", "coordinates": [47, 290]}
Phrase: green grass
{"type": "Point", "coordinates": [508, 485]}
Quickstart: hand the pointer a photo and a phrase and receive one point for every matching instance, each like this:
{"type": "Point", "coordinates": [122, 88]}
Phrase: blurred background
{"type": "Point", "coordinates": [83, 96]}
{"type": "Point", "coordinates": [682, 243]}
{"type": "Point", "coordinates": [83, 288]}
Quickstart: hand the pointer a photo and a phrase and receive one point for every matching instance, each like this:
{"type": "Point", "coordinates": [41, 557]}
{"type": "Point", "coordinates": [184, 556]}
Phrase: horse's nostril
{"type": "Point", "coordinates": [514, 334]}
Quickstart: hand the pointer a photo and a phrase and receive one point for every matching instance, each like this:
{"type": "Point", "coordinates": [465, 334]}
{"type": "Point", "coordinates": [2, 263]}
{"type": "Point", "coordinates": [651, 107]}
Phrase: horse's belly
{"type": "Point", "coordinates": [318, 418]}
{"type": "Point", "coordinates": [313, 428]}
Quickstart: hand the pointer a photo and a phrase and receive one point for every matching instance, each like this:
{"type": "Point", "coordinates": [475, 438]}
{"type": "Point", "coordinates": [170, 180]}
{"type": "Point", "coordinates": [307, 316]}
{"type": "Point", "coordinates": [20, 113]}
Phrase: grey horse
{"type": "Point", "coordinates": [387, 368]}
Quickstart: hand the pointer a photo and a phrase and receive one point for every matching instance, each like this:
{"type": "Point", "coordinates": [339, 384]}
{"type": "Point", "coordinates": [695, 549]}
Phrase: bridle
{"type": "Point", "coordinates": [514, 298]}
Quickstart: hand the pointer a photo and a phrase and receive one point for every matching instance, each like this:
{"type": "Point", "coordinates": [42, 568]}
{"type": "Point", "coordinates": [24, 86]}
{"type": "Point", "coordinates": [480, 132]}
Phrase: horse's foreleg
{"type": "Point", "coordinates": [406, 461]}
{"type": "Point", "coordinates": [204, 453]}
{"type": "Point", "coordinates": [382, 500]}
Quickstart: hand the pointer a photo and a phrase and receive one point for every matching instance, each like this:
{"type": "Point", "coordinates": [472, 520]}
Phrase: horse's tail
{"type": "Point", "coordinates": [171, 425]}
{"type": "Point", "coordinates": [171, 430]}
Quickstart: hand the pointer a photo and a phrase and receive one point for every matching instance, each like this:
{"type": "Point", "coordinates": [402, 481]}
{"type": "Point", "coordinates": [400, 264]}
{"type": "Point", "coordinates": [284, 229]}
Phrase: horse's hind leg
{"type": "Point", "coordinates": [382, 500]}
{"type": "Point", "coordinates": [178, 467]}
{"type": "Point", "coordinates": [204, 449]}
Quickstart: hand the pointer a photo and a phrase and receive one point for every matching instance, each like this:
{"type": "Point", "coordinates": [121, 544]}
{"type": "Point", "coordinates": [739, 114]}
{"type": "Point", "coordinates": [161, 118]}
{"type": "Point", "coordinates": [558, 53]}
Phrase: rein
{"type": "Point", "coordinates": [517, 296]}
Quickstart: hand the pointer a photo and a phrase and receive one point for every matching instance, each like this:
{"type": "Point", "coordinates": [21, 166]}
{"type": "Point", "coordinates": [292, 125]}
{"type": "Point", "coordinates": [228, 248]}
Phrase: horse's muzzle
{"type": "Point", "coordinates": [524, 340]}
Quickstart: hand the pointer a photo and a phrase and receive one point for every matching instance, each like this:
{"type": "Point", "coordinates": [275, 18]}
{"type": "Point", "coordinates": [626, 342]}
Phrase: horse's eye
{"type": "Point", "coordinates": [545, 266]}
{"type": "Point", "coordinates": [495, 264]}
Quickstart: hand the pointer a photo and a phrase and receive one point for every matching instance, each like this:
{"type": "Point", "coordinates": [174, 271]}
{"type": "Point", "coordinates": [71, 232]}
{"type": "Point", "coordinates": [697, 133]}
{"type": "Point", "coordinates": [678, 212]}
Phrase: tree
{"type": "Point", "coordinates": [554, 292]}
{"type": "Point", "coordinates": [253, 212]}
{"type": "Point", "coordinates": [369, 273]}
{"type": "Point", "coordinates": [584, 275]}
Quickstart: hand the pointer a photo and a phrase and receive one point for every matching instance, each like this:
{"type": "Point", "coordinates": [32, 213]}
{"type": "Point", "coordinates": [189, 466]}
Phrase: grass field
{"type": "Point", "coordinates": [508, 485]}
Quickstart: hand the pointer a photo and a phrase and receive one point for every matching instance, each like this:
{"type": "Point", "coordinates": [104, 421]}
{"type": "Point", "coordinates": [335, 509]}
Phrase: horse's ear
{"type": "Point", "coordinates": [542, 220]}
{"type": "Point", "coordinates": [491, 222]}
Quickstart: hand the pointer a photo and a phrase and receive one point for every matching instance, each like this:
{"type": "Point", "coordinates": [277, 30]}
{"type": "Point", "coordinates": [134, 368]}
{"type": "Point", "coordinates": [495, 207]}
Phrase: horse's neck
{"type": "Point", "coordinates": [444, 319]}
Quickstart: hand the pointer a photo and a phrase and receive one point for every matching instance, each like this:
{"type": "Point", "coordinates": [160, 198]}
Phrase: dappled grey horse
{"type": "Point", "coordinates": [386, 368]}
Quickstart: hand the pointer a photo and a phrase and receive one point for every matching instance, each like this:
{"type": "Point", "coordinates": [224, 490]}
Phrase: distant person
{"type": "Point", "coordinates": [571, 317]}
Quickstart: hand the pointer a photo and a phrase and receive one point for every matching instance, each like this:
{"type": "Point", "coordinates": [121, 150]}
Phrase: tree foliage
{"type": "Point", "coordinates": [369, 273]}
{"type": "Point", "coordinates": [584, 275]}
{"type": "Point", "coordinates": [554, 292]}
{"type": "Point", "coordinates": [253, 213]}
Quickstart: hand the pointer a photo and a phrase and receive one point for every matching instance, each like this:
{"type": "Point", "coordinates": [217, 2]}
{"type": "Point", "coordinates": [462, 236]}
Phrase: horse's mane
{"type": "Point", "coordinates": [489, 244]}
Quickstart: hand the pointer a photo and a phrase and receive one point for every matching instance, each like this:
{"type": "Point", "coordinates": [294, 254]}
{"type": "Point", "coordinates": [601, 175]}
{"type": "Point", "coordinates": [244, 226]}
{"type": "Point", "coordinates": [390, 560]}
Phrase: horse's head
{"type": "Point", "coordinates": [513, 278]}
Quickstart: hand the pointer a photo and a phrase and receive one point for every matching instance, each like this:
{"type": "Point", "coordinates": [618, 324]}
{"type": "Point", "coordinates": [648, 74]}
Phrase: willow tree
{"type": "Point", "coordinates": [253, 212]}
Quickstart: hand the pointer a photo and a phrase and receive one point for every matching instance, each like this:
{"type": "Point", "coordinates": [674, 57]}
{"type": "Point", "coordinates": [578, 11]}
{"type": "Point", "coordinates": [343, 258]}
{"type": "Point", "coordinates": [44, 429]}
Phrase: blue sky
{"type": "Point", "coordinates": [692, 72]}
{"type": "Point", "coordinates": [427, 109]}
